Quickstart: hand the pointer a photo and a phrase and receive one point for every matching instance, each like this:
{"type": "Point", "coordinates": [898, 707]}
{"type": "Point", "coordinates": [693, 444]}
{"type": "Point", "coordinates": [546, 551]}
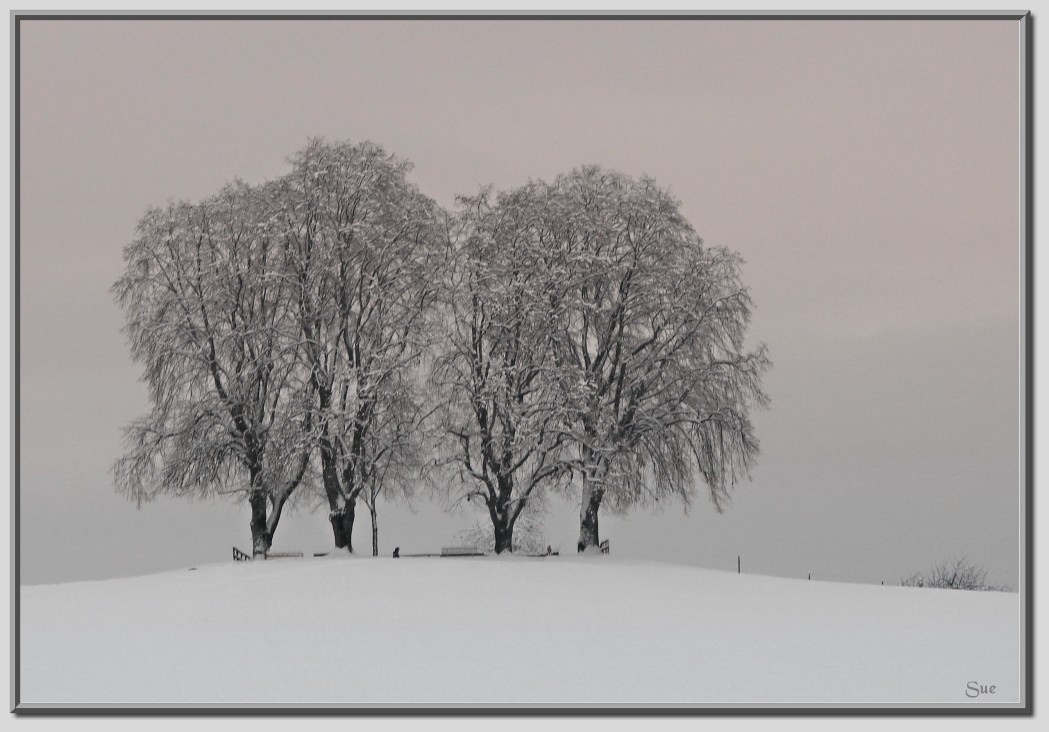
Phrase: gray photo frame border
{"type": "Point", "coordinates": [1026, 708]}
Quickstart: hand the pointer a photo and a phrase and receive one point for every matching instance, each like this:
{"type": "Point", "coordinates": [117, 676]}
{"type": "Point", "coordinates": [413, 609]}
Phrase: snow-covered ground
{"type": "Point", "coordinates": [343, 630]}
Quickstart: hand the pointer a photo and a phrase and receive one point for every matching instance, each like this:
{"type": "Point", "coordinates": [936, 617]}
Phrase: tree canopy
{"type": "Point", "coordinates": [595, 334]}
{"type": "Point", "coordinates": [334, 327]}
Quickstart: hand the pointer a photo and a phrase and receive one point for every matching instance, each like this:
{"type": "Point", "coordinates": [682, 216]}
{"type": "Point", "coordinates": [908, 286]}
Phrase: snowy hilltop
{"type": "Point", "coordinates": [355, 631]}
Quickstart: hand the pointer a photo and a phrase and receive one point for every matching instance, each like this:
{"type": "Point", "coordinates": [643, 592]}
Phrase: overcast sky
{"type": "Point", "coordinates": [868, 172]}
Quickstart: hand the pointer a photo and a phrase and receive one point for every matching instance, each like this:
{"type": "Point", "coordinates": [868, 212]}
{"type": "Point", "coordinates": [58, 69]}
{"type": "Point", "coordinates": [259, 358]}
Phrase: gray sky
{"type": "Point", "coordinates": [866, 170]}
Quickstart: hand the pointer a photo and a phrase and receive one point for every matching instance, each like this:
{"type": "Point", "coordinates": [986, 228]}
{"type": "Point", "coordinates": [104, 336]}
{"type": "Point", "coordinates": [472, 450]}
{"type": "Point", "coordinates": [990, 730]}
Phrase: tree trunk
{"type": "Point", "coordinates": [342, 525]}
{"type": "Point", "coordinates": [282, 496]}
{"type": "Point", "coordinates": [260, 533]}
{"type": "Point", "coordinates": [502, 516]}
{"type": "Point", "coordinates": [341, 510]}
{"type": "Point", "coordinates": [375, 529]}
{"type": "Point", "coordinates": [504, 538]}
{"type": "Point", "coordinates": [588, 533]}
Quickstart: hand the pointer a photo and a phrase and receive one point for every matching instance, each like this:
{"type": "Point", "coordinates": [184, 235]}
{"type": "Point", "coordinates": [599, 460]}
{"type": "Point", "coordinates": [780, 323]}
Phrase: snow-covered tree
{"type": "Point", "coordinates": [646, 329]}
{"type": "Point", "coordinates": [661, 382]}
{"type": "Point", "coordinates": [501, 409]}
{"type": "Point", "coordinates": [362, 245]}
{"type": "Point", "coordinates": [207, 316]}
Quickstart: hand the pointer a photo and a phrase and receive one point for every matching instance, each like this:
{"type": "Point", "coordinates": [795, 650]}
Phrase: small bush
{"type": "Point", "coordinates": [956, 574]}
{"type": "Point", "coordinates": [528, 532]}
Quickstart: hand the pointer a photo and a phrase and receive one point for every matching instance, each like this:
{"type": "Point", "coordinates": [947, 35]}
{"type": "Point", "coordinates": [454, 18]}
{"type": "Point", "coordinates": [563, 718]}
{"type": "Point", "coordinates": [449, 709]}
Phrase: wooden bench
{"type": "Point", "coordinates": [604, 546]}
{"type": "Point", "coordinates": [283, 555]}
{"type": "Point", "coordinates": [461, 551]}
{"type": "Point", "coordinates": [239, 556]}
